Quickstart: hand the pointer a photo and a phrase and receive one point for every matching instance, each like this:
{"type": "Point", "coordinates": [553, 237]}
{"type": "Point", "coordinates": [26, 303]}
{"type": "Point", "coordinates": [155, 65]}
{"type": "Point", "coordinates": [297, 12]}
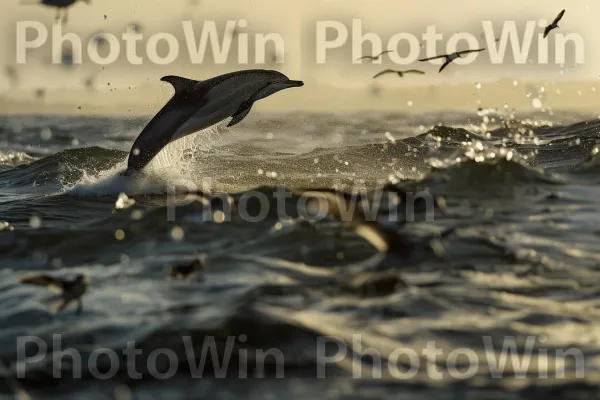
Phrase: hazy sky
{"type": "Point", "coordinates": [296, 22]}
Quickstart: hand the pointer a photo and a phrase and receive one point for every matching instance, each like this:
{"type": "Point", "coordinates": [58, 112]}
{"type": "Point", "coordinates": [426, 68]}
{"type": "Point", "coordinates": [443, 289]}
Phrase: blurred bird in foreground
{"type": "Point", "coordinates": [69, 290]}
{"type": "Point", "coordinates": [386, 239]}
{"type": "Point", "coordinates": [187, 270]}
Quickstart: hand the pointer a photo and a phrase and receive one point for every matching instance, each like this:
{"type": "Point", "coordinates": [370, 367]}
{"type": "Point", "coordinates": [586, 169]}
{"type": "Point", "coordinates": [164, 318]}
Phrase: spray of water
{"type": "Point", "coordinates": [178, 167]}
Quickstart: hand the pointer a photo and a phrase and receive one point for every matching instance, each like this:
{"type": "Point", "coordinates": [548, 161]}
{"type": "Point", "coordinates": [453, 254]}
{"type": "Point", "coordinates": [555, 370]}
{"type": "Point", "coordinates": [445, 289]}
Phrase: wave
{"type": "Point", "coordinates": [61, 168]}
{"type": "Point", "coordinates": [177, 168]}
{"type": "Point", "coordinates": [591, 166]}
{"type": "Point", "coordinates": [492, 177]}
{"type": "Point", "coordinates": [244, 162]}
{"type": "Point", "coordinates": [14, 159]}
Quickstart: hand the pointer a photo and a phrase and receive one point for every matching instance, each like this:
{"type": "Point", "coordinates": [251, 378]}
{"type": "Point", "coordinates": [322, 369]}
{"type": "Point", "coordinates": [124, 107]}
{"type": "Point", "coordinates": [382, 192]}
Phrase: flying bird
{"type": "Point", "coordinates": [135, 27]}
{"type": "Point", "coordinates": [62, 6]}
{"type": "Point", "coordinates": [451, 57]}
{"type": "Point", "coordinates": [375, 57]}
{"type": "Point", "coordinates": [12, 75]}
{"type": "Point", "coordinates": [40, 93]}
{"type": "Point", "coordinates": [70, 290]}
{"type": "Point", "coordinates": [483, 36]}
{"type": "Point", "coordinates": [554, 23]}
{"type": "Point", "coordinates": [399, 73]}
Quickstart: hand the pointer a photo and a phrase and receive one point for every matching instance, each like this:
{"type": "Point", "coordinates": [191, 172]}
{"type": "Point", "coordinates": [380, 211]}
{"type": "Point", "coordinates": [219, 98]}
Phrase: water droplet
{"type": "Point", "coordinates": [536, 103]}
{"type": "Point", "coordinates": [177, 233]}
{"type": "Point", "coordinates": [219, 217]}
{"type": "Point", "coordinates": [337, 138]}
{"type": "Point", "coordinates": [35, 222]}
{"type": "Point", "coordinates": [137, 215]}
{"type": "Point", "coordinates": [124, 202]}
{"type": "Point", "coordinates": [5, 226]}
{"type": "Point", "coordinates": [119, 234]}
{"type": "Point", "coordinates": [46, 134]}
{"type": "Point", "coordinates": [389, 137]}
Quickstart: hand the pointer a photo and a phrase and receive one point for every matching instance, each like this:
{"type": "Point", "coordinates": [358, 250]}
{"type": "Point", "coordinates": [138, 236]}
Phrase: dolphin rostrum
{"type": "Point", "coordinates": [197, 105]}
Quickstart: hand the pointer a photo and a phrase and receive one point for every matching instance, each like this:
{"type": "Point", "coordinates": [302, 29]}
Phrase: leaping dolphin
{"type": "Point", "coordinates": [197, 105]}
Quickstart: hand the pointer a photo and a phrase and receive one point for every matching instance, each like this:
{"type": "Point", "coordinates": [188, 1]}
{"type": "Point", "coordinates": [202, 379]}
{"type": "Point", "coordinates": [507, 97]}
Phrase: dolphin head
{"type": "Point", "coordinates": [277, 82]}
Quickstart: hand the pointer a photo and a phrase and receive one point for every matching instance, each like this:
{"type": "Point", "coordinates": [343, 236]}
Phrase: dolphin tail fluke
{"type": "Point", "coordinates": [240, 114]}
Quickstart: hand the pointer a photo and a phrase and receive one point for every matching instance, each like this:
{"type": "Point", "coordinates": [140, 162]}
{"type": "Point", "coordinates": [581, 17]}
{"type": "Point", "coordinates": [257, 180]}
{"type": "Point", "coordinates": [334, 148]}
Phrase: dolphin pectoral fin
{"type": "Point", "coordinates": [240, 114]}
{"type": "Point", "coordinates": [245, 107]}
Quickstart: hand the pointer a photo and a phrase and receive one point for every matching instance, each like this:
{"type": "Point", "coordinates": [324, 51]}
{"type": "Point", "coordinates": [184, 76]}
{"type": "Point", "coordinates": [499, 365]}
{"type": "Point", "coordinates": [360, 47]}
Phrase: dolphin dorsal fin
{"type": "Point", "coordinates": [179, 84]}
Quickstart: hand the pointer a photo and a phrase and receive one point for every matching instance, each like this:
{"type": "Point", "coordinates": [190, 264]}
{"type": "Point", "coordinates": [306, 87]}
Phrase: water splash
{"type": "Point", "coordinates": [176, 169]}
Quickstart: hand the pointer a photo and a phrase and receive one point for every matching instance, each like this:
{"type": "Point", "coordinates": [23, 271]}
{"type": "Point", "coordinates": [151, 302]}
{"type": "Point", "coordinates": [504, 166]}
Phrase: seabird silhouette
{"type": "Point", "coordinates": [40, 93]}
{"type": "Point", "coordinates": [12, 75]}
{"type": "Point", "coordinates": [451, 57]}
{"type": "Point", "coordinates": [62, 6]}
{"type": "Point", "coordinates": [554, 23]}
{"type": "Point", "coordinates": [70, 290]}
{"type": "Point", "coordinates": [375, 57]}
{"type": "Point", "coordinates": [399, 73]}
{"type": "Point", "coordinates": [483, 36]}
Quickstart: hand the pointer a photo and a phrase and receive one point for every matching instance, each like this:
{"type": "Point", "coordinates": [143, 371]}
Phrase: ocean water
{"type": "Point", "coordinates": [509, 256]}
